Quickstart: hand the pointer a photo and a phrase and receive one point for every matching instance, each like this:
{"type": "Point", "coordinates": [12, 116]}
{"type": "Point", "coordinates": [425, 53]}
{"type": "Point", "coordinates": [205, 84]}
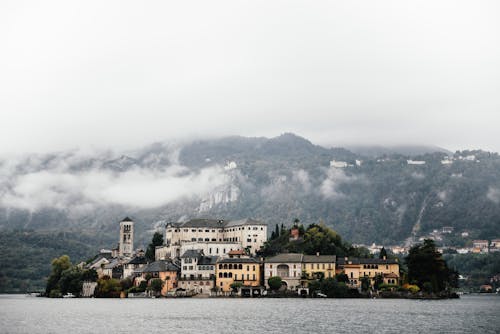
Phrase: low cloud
{"type": "Point", "coordinates": [335, 177]}
{"type": "Point", "coordinates": [493, 195]}
{"type": "Point", "coordinates": [57, 185]}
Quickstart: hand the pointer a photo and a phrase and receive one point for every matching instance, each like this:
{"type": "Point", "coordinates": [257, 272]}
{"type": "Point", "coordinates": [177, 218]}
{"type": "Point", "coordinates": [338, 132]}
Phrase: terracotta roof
{"type": "Point", "coordinates": [237, 252]}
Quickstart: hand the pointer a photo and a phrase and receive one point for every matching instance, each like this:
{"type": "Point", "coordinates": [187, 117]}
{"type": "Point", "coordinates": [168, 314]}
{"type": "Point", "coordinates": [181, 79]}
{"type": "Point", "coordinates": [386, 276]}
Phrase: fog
{"type": "Point", "coordinates": [122, 74]}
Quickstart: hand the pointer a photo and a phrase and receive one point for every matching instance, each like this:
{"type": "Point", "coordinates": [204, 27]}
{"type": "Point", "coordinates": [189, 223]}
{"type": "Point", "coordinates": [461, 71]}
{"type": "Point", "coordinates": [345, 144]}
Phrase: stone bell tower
{"type": "Point", "coordinates": [126, 244]}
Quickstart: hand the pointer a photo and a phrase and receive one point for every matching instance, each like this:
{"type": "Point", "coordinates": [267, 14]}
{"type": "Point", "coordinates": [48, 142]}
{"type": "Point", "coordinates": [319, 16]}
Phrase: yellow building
{"type": "Point", "coordinates": [357, 268]}
{"type": "Point", "coordinates": [241, 269]}
{"type": "Point", "coordinates": [315, 266]}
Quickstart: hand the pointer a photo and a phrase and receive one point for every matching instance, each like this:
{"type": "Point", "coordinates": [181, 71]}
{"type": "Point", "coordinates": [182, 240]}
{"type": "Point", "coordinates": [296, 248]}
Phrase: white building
{"type": "Point", "coordinates": [415, 162]}
{"type": "Point", "coordinates": [197, 272]}
{"type": "Point", "coordinates": [288, 266]}
{"type": "Point", "coordinates": [213, 236]}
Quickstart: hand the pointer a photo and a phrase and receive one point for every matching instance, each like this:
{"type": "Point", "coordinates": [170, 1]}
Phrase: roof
{"type": "Point", "coordinates": [286, 257]}
{"type": "Point", "coordinates": [217, 223]}
{"type": "Point", "coordinates": [236, 260]}
{"type": "Point", "coordinates": [112, 264]}
{"type": "Point", "coordinates": [391, 275]}
{"type": "Point", "coordinates": [138, 260]}
{"type": "Point", "coordinates": [237, 252]}
{"type": "Point", "coordinates": [355, 260]}
{"type": "Point", "coordinates": [247, 221]}
{"type": "Point", "coordinates": [127, 219]}
{"type": "Point", "coordinates": [204, 260]}
{"type": "Point", "coordinates": [159, 266]}
{"type": "Point", "coordinates": [319, 258]}
{"type": "Point", "coordinates": [192, 253]}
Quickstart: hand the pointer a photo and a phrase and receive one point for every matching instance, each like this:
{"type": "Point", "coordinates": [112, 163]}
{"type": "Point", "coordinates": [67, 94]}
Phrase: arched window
{"type": "Point", "coordinates": [240, 266]}
{"type": "Point", "coordinates": [220, 266]}
{"type": "Point", "coordinates": [248, 268]}
{"type": "Point", "coordinates": [225, 265]}
{"type": "Point", "coordinates": [230, 275]}
{"type": "Point", "coordinates": [352, 275]}
{"type": "Point", "coordinates": [225, 275]}
{"type": "Point", "coordinates": [253, 268]}
{"type": "Point", "coordinates": [230, 266]}
{"type": "Point", "coordinates": [220, 275]}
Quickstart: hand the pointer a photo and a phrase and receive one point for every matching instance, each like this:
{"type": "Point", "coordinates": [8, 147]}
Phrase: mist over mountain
{"type": "Point", "coordinates": [366, 196]}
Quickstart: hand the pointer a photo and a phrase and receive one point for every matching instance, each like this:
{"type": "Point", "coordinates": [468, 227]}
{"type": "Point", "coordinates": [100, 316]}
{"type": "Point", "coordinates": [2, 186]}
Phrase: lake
{"type": "Point", "coordinates": [470, 314]}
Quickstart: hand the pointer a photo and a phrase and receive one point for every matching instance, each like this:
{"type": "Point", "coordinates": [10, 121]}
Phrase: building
{"type": "Point", "coordinates": [480, 246]}
{"type": "Point", "coordinates": [318, 266]}
{"type": "Point", "coordinates": [167, 271]}
{"type": "Point", "coordinates": [211, 233]}
{"type": "Point", "coordinates": [495, 245]}
{"type": "Point", "coordinates": [242, 271]}
{"type": "Point", "coordinates": [288, 266]}
{"type": "Point", "coordinates": [447, 229]}
{"type": "Point", "coordinates": [197, 272]}
{"type": "Point", "coordinates": [132, 266]}
{"type": "Point", "coordinates": [126, 243]}
{"type": "Point", "coordinates": [357, 268]}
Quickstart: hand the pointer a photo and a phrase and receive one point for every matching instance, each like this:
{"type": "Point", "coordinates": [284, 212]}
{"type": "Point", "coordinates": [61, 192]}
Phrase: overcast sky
{"type": "Point", "coordinates": [120, 74]}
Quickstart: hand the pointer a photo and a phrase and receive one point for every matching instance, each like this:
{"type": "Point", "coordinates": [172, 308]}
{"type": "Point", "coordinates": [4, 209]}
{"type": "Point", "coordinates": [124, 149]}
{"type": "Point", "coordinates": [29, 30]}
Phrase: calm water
{"type": "Point", "coordinates": [470, 314]}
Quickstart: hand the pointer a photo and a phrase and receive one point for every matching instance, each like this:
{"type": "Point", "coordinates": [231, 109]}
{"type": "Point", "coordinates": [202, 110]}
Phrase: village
{"type": "Point", "coordinates": [205, 257]}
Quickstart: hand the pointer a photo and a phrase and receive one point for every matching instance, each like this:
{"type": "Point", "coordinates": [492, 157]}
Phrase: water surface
{"type": "Point", "coordinates": [470, 314]}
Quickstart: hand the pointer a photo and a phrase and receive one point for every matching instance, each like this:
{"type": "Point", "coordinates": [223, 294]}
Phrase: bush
{"type": "Point", "coordinates": [274, 282]}
{"type": "Point", "coordinates": [55, 293]}
{"type": "Point", "coordinates": [413, 288]}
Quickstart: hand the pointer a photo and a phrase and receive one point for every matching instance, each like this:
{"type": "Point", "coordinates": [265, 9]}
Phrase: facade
{"type": "Point", "coordinates": [495, 245]}
{"type": "Point", "coordinates": [132, 266]}
{"type": "Point", "coordinates": [315, 266]}
{"type": "Point", "coordinates": [167, 271]}
{"type": "Point", "coordinates": [288, 266]}
{"type": "Point", "coordinates": [126, 243]}
{"type": "Point", "coordinates": [242, 270]}
{"type": "Point", "coordinates": [357, 268]}
{"type": "Point", "coordinates": [480, 246]}
{"type": "Point", "coordinates": [246, 233]}
{"type": "Point", "coordinates": [197, 272]}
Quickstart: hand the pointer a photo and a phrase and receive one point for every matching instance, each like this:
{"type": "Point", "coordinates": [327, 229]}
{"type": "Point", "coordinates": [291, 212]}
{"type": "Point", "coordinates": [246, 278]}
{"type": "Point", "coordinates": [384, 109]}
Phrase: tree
{"type": "Point", "coordinates": [235, 286]}
{"type": "Point", "coordinates": [157, 240]}
{"type": "Point", "coordinates": [365, 283]}
{"type": "Point", "coordinates": [274, 282]}
{"type": "Point", "coordinates": [59, 265]}
{"type": "Point", "coordinates": [332, 288]}
{"type": "Point", "coordinates": [156, 285]}
{"type": "Point", "coordinates": [71, 281]}
{"type": "Point", "coordinates": [379, 280]}
{"type": "Point", "coordinates": [108, 287]}
{"type": "Point", "coordinates": [383, 253]}
{"type": "Point", "coordinates": [426, 265]}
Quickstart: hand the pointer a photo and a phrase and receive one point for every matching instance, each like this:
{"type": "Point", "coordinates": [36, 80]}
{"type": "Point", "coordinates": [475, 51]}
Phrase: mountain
{"type": "Point", "coordinates": [365, 198]}
{"type": "Point", "coordinates": [71, 202]}
{"type": "Point", "coordinates": [409, 150]}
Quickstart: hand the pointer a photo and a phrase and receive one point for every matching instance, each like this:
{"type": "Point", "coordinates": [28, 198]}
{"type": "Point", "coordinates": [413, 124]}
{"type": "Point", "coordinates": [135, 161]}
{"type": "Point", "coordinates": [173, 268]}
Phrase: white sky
{"type": "Point", "coordinates": [120, 74]}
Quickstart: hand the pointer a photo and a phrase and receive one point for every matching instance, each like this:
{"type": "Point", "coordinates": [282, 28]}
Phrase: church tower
{"type": "Point", "coordinates": [126, 244]}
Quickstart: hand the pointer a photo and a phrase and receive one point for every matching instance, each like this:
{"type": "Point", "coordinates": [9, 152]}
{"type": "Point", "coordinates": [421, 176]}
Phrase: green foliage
{"type": "Point", "coordinates": [156, 285]}
{"type": "Point", "coordinates": [426, 265]}
{"type": "Point", "coordinates": [157, 240]}
{"type": "Point", "coordinates": [477, 268]}
{"type": "Point", "coordinates": [126, 284]}
{"type": "Point", "coordinates": [108, 288]}
{"type": "Point", "coordinates": [332, 288]}
{"type": "Point", "coordinates": [378, 281]}
{"type": "Point", "coordinates": [365, 283]}
{"type": "Point", "coordinates": [316, 238]}
{"type": "Point", "coordinates": [59, 265]}
{"type": "Point", "coordinates": [235, 286]}
{"type": "Point", "coordinates": [26, 256]}
{"type": "Point", "coordinates": [383, 253]}
{"type": "Point", "coordinates": [274, 282]}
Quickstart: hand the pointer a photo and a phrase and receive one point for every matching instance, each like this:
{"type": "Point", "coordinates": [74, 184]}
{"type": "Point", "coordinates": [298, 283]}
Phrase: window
{"type": "Point", "coordinates": [200, 239]}
{"type": "Point", "coordinates": [271, 266]}
{"type": "Point", "coordinates": [294, 266]}
{"type": "Point", "coordinates": [253, 268]}
{"type": "Point", "coordinates": [221, 283]}
{"type": "Point", "coordinates": [200, 230]}
{"type": "Point", "coordinates": [220, 266]}
{"type": "Point", "coordinates": [207, 230]}
{"type": "Point", "coordinates": [248, 268]}
{"type": "Point", "coordinates": [230, 266]}
{"type": "Point", "coordinates": [193, 239]}
{"type": "Point", "coordinates": [186, 230]}
{"type": "Point", "coordinates": [193, 230]}
{"type": "Point", "coordinates": [249, 240]}
{"type": "Point", "coordinates": [253, 277]}
{"type": "Point", "coordinates": [240, 266]}
{"type": "Point", "coordinates": [210, 250]}
{"type": "Point", "coordinates": [351, 274]}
